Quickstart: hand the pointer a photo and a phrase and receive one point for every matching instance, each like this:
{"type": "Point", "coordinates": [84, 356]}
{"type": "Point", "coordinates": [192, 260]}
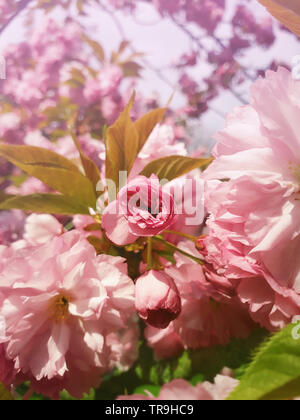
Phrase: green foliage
{"type": "Point", "coordinates": [4, 394]}
{"type": "Point", "coordinates": [193, 365]}
{"type": "Point", "coordinates": [275, 371]}
{"type": "Point", "coordinates": [65, 396]}
{"type": "Point", "coordinates": [146, 389]}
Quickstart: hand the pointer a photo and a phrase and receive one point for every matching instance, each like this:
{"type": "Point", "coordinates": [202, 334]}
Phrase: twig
{"type": "Point", "coordinates": [201, 47]}
{"type": "Point", "coordinates": [122, 33]}
{"type": "Point", "coordinates": [149, 253]}
{"type": "Point", "coordinates": [175, 248]}
{"type": "Point", "coordinates": [21, 6]}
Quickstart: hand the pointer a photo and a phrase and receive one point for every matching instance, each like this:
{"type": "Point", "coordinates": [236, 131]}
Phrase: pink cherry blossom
{"type": "Point", "coordinates": [258, 208]}
{"type": "Point", "coordinates": [10, 123]}
{"type": "Point", "coordinates": [11, 226]}
{"type": "Point", "coordinates": [41, 228]}
{"type": "Point", "coordinates": [165, 342]}
{"type": "Point", "coordinates": [105, 84]}
{"type": "Point", "coordinates": [82, 222]}
{"type": "Point", "coordinates": [162, 142]}
{"type": "Point", "coordinates": [59, 302]}
{"type": "Point", "coordinates": [180, 390]}
{"type": "Point", "coordinates": [142, 208]}
{"type": "Point", "coordinates": [124, 346]}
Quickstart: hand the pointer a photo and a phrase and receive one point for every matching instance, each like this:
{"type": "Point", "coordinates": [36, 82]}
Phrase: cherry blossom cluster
{"type": "Point", "coordinates": [188, 252]}
{"type": "Point", "coordinates": [220, 38]}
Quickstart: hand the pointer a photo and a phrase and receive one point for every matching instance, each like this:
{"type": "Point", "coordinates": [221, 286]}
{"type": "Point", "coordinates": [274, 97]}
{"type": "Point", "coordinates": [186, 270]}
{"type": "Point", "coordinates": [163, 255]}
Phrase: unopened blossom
{"type": "Point", "coordinates": [59, 302]}
{"type": "Point", "coordinates": [211, 314]}
{"type": "Point", "coordinates": [142, 208]}
{"type": "Point", "coordinates": [157, 299]}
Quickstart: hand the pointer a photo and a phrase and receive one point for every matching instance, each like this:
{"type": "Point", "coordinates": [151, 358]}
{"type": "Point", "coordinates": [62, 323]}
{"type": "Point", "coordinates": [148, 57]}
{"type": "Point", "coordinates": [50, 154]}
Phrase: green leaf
{"type": "Point", "coordinates": [146, 124]}
{"type": "Point", "coordinates": [54, 170]}
{"type": "Point", "coordinates": [172, 167]}
{"type": "Point", "coordinates": [45, 203]}
{"type": "Point", "coordinates": [5, 395]}
{"type": "Point", "coordinates": [275, 371]}
{"type": "Point", "coordinates": [145, 389]}
{"type": "Point", "coordinates": [197, 379]}
{"type": "Point", "coordinates": [65, 396]}
{"type": "Point", "coordinates": [210, 361]}
{"type": "Point", "coordinates": [122, 145]}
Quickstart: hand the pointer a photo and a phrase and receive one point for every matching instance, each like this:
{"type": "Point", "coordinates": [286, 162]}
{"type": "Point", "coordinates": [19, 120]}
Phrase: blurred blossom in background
{"type": "Point", "coordinates": [188, 47]}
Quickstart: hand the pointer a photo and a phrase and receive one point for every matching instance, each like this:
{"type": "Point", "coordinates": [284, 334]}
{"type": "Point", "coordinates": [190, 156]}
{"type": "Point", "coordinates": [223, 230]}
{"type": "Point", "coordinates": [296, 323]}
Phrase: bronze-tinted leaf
{"type": "Point", "coordinates": [172, 167]}
{"type": "Point", "coordinates": [90, 167]}
{"type": "Point", "coordinates": [45, 203]}
{"type": "Point", "coordinates": [146, 124]}
{"type": "Point", "coordinates": [54, 170]}
{"type": "Point", "coordinates": [122, 145]}
{"type": "Point", "coordinates": [286, 11]}
{"type": "Point", "coordinates": [96, 47]}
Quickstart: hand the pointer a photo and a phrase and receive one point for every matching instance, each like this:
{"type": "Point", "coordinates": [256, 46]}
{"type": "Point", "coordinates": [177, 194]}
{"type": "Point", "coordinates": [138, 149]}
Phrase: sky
{"type": "Point", "coordinates": [163, 43]}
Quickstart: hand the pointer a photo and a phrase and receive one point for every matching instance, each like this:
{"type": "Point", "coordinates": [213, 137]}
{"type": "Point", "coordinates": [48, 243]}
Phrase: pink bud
{"type": "Point", "coordinates": [157, 299]}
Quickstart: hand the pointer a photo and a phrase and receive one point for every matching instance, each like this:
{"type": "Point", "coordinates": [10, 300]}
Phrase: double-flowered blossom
{"type": "Point", "coordinates": [179, 390]}
{"type": "Point", "coordinates": [60, 302]}
{"type": "Point", "coordinates": [253, 199]}
{"type": "Point", "coordinates": [142, 208]}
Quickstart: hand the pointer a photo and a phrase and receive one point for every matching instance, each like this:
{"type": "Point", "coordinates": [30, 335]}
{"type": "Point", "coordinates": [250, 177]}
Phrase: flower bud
{"type": "Point", "coordinates": [157, 299]}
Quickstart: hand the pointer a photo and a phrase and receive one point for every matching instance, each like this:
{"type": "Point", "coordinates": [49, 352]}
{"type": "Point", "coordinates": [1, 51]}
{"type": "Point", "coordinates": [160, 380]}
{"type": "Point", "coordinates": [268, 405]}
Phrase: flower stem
{"type": "Point", "coordinates": [149, 254]}
{"type": "Point", "coordinates": [186, 254]}
{"type": "Point", "coordinates": [183, 235]}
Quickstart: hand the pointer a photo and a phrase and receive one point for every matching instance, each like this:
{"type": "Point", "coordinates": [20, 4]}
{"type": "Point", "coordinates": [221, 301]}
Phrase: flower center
{"type": "Point", "coordinates": [297, 173]}
{"type": "Point", "coordinates": [60, 307]}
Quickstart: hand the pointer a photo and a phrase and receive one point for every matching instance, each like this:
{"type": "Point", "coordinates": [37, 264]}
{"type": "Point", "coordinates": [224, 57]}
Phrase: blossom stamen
{"type": "Point", "coordinates": [60, 307]}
